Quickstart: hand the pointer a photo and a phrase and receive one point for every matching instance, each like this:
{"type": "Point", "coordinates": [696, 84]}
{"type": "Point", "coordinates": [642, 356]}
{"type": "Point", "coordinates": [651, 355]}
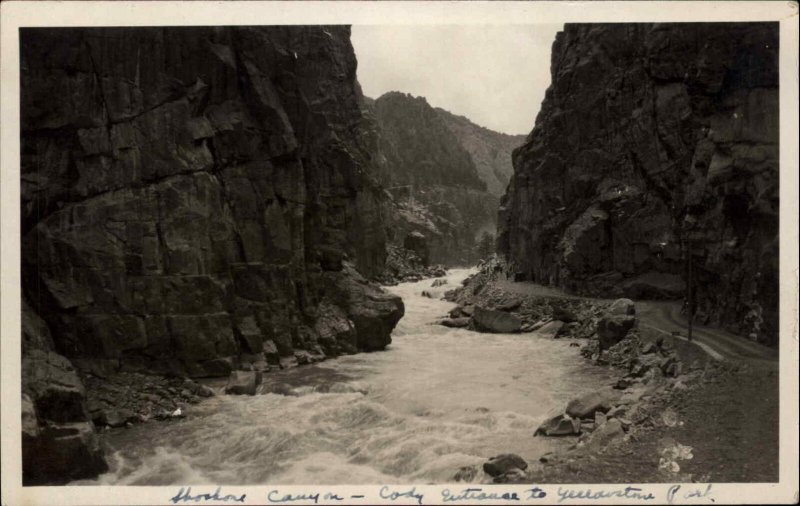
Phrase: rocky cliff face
{"type": "Point", "coordinates": [419, 147]}
{"type": "Point", "coordinates": [489, 150]}
{"type": "Point", "coordinates": [434, 181]}
{"type": "Point", "coordinates": [655, 144]}
{"type": "Point", "coordinates": [195, 200]}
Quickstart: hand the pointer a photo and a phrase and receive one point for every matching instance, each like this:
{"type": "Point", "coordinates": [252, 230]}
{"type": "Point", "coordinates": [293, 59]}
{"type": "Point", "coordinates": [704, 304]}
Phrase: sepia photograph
{"type": "Point", "coordinates": [486, 257]}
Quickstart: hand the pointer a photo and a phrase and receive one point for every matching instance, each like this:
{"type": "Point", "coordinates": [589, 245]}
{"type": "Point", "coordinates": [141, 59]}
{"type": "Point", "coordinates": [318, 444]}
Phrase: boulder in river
{"type": "Point", "coordinates": [438, 270]}
{"type": "Point", "coordinates": [503, 464]}
{"type": "Point", "coordinates": [243, 383]}
{"type": "Point", "coordinates": [550, 329]}
{"type": "Point", "coordinates": [559, 425]}
{"type": "Point", "coordinates": [600, 400]}
{"type": "Point", "coordinates": [490, 320]}
{"type": "Point", "coordinates": [305, 357]}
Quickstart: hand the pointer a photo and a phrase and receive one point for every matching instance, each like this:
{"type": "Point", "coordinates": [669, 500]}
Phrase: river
{"type": "Point", "coordinates": [435, 400]}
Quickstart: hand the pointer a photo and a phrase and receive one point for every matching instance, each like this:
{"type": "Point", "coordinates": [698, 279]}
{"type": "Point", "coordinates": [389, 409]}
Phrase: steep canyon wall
{"type": "Point", "coordinates": [655, 144]}
{"type": "Point", "coordinates": [193, 199]}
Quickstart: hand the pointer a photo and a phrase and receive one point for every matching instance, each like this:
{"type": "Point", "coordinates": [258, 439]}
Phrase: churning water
{"type": "Point", "coordinates": [435, 400]}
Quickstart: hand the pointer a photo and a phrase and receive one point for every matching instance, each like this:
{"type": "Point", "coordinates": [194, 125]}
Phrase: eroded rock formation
{"type": "Point", "coordinates": [198, 198]}
{"type": "Point", "coordinates": [655, 144]}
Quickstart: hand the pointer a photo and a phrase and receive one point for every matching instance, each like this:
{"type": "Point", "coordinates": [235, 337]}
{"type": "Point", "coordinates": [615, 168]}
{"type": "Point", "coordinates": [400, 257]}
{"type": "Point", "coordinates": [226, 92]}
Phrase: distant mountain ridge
{"type": "Point", "coordinates": [490, 150]}
{"type": "Point", "coordinates": [419, 146]}
{"type": "Point", "coordinates": [444, 172]}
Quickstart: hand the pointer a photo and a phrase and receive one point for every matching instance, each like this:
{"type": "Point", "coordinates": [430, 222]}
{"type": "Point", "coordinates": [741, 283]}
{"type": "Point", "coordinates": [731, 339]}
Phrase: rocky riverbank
{"type": "Point", "coordinates": [696, 428]}
{"type": "Point", "coordinates": [654, 423]}
{"type": "Point", "coordinates": [484, 306]}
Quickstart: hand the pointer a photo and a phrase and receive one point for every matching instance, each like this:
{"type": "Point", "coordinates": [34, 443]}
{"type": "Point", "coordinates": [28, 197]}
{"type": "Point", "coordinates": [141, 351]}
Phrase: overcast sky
{"type": "Point", "coordinates": [494, 75]}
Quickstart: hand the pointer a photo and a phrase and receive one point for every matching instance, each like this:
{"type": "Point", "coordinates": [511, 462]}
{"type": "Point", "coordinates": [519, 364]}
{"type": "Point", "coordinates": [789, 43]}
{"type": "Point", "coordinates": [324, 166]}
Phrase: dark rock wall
{"type": "Point", "coordinates": [652, 138]}
{"type": "Point", "coordinates": [194, 195]}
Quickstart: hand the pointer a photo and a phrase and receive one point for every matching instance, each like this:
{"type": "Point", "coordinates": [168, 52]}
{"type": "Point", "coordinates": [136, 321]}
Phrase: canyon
{"type": "Point", "coordinates": [202, 204]}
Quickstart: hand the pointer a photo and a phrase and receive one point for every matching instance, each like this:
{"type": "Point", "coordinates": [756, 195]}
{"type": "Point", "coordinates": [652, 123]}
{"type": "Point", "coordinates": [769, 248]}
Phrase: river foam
{"type": "Point", "coordinates": [437, 399]}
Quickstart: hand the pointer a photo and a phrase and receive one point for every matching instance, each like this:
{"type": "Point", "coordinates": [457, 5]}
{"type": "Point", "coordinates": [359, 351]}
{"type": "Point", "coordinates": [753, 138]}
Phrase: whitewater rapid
{"type": "Point", "coordinates": [435, 400]}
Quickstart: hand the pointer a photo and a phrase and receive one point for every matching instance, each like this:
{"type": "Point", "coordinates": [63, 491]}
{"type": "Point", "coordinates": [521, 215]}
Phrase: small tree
{"type": "Point", "coordinates": [486, 245]}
